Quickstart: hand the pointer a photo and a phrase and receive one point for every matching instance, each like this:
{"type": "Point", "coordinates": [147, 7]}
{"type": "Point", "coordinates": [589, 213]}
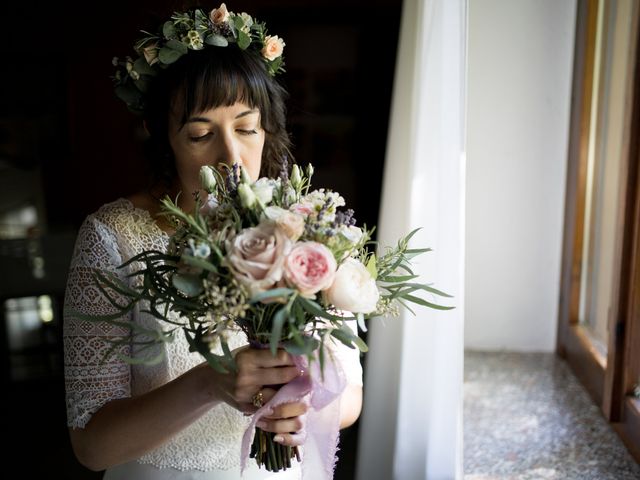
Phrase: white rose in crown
{"type": "Point", "coordinates": [353, 288]}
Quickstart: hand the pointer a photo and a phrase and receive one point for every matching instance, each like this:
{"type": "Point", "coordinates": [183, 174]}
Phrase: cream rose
{"type": "Point", "coordinates": [310, 267]}
{"type": "Point", "coordinates": [292, 224]}
{"type": "Point", "coordinates": [219, 15]}
{"type": "Point", "coordinates": [256, 256]}
{"type": "Point", "coordinates": [353, 288]}
{"type": "Point", "coordinates": [273, 47]}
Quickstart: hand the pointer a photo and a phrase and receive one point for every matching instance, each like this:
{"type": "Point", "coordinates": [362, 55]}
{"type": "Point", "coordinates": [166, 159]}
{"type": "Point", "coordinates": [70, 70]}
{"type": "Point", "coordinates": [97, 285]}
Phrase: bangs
{"type": "Point", "coordinates": [220, 80]}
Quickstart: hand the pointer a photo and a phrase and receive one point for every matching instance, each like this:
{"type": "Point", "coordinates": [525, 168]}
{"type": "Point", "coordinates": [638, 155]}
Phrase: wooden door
{"type": "Point", "coordinates": [599, 314]}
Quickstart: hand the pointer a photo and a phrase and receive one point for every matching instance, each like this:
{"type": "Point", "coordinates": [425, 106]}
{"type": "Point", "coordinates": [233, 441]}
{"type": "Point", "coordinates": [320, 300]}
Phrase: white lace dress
{"type": "Point", "coordinates": [207, 449]}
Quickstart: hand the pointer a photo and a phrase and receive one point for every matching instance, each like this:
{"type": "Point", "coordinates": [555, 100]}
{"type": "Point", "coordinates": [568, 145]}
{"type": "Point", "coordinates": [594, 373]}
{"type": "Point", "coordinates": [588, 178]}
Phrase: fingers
{"type": "Point", "coordinates": [257, 368]}
{"type": "Point", "coordinates": [290, 439]}
{"type": "Point", "coordinates": [288, 410]}
{"type": "Point", "coordinates": [285, 425]}
{"type": "Point", "coordinates": [255, 358]}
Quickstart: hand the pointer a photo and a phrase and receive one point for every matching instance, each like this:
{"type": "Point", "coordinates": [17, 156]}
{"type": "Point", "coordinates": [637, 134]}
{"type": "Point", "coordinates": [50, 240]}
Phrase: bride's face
{"type": "Point", "coordinates": [223, 135]}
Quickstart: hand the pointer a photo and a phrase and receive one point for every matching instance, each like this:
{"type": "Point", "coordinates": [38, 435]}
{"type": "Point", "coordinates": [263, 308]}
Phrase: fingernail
{"type": "Point", "coordinates": [278, 438]}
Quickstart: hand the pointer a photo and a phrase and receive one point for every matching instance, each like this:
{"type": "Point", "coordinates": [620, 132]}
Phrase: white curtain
{"type": "Point", "coordinates": [411, 427]}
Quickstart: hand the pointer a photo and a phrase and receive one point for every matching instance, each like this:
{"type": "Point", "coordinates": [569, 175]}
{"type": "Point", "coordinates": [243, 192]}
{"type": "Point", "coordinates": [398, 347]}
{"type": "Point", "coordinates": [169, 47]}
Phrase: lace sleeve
{"type": "Point", "coordinates": [90, 382]}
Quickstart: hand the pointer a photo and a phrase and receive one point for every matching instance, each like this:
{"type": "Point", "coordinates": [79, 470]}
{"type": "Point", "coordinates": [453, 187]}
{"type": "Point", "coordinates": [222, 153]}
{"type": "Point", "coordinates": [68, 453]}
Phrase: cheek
{"type": "Point", "coordinates": [253, 160]}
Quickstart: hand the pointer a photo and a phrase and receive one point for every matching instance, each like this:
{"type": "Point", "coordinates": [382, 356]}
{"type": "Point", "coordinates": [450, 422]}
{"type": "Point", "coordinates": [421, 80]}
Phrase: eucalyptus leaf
{"type": "Point", "coordinates": [273, 293]}
{"type": "Point", "coordinates": [424, 303]}
{"type": "Point", "coordinates": [244, 40]}
{"type": "Point", "coordinates": [216, 40]}
{"type": "Point", "coordinates": [190, 285]}
{"type": "Point", "coordinates": [276, 329]}
{"type": "Point", "coordinates": [169, 30]}
{"type": "Point", "coordinates": [142, 67]}
{"type": "Point", "coordinates": [315, 309]}
{"type": "Point", "coordinates": [178, 46]}
{"type": "Point", "coordinates": [215, 361]}
{"type": "Point", "coordinates": [200, 263]}
{"type": "Point", "coordinates": [398, 278]}
{"type": "Point", "coordinates": [343, 336]}
{"type": "Point", "coordinates": [238, 22]}
{"type": "Point", "coordinates": [168, 55]}
{"type": "Point", "coordinates": [307, 345]}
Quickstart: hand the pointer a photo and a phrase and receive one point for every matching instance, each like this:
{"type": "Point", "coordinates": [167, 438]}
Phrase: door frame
{"type": "Point", "coordinates": [608, 380]}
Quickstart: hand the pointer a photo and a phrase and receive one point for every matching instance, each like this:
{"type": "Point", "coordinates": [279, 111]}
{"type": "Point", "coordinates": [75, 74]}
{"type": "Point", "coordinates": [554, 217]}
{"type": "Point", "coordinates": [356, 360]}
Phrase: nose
{"type": "Point", "coordinates": [227, 150]}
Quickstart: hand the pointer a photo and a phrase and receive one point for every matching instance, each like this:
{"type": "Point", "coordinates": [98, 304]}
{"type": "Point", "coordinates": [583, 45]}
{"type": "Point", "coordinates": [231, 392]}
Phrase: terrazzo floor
{"type": "Point", "coordinates": [527, 417]}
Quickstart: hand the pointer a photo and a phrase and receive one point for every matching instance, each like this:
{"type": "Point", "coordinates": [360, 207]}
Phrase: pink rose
{"type": "Point", "coordinates": [256, 256]}
{"type": "Point", "coordinates": [273, 47]}
{"type": "Point", "coordinates": [304, 209]}
{"type": "Point", "coordinates": [219, 15]}
{"type": "Point", "coordinates": [310, 267]}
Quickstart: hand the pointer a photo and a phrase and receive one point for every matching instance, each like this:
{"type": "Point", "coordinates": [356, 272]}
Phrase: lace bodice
{"type": "Point", "coordinates": [108, 238]}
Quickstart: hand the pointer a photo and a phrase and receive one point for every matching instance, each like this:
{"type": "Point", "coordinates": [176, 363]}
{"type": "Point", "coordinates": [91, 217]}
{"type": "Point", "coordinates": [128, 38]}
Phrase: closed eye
{"type": "Point", "coordinates": [200, 138]}
{"type": "Point", "coordinates": [247, 132]}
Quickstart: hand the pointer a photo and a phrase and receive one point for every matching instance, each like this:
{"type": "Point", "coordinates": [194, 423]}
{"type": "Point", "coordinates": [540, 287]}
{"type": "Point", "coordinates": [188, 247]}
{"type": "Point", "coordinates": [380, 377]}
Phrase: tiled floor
{"type": "Point", "coordinates": [527, 417]}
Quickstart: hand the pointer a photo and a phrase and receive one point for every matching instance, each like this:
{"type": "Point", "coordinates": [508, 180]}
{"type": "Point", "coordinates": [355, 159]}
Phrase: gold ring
{"type": "Point", "coordinates": [258, 399]}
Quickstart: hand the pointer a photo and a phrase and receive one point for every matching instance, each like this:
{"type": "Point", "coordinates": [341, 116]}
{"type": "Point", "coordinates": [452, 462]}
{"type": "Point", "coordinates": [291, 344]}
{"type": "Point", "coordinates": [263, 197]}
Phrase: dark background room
{"type": "Point", "coordinates": [67, 146]}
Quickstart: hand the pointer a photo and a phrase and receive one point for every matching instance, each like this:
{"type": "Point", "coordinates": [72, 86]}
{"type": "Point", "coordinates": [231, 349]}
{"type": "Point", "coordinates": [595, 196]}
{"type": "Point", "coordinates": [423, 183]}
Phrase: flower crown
{"type": "Point", "coordinates": [192, 30]}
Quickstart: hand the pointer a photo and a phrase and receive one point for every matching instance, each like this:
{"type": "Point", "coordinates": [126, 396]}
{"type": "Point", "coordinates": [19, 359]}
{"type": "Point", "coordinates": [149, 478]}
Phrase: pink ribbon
{"type": "Point", "coordinates": [322, 427]}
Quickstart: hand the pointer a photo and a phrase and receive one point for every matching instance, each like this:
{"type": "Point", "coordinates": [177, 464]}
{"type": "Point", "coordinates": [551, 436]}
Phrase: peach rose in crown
{"type": "Point", "coordinates": [273, 47]}
{"type": "Point", "coordinates": [256, 256]}
{"type": "Point", "coordinates": [219, 15]}
{"type": "Point", "coordinates": [310, 267]}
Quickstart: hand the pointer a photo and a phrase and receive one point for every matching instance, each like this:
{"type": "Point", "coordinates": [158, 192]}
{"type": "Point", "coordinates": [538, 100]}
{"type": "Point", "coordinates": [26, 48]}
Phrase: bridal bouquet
{"type": "Point", "coordinates": [280, 261]}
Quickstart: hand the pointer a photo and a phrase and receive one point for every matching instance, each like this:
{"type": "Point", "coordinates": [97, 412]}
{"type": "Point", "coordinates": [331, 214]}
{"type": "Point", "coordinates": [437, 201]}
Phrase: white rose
{"type": "Point", "coordinates": [263, 188]}
{"type": "Point", "coordinates": [353, 288]}
{"type": "Point", "coordinates": [351, 233]}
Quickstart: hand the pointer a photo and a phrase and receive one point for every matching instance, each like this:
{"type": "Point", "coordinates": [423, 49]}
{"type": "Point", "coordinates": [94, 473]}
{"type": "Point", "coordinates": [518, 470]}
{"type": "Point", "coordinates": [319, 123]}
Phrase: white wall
{"type": "Point", "coordinates": [520, 55]}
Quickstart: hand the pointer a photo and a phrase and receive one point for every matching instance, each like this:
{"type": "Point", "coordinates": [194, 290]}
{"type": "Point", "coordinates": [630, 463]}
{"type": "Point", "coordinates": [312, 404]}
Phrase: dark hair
{"type": "Point", "coordinates": [210, 78]}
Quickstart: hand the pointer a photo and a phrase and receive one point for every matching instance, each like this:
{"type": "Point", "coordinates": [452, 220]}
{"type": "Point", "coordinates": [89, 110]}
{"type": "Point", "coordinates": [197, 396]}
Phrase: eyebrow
{"type": "Point", "coordinates": [206, 120]}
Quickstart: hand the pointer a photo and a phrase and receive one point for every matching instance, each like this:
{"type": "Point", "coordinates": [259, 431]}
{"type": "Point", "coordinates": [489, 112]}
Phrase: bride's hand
{"type": "Point", "coordinates": [255, 369]}
{"type": "Point", "coordinates": [285, 420]}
